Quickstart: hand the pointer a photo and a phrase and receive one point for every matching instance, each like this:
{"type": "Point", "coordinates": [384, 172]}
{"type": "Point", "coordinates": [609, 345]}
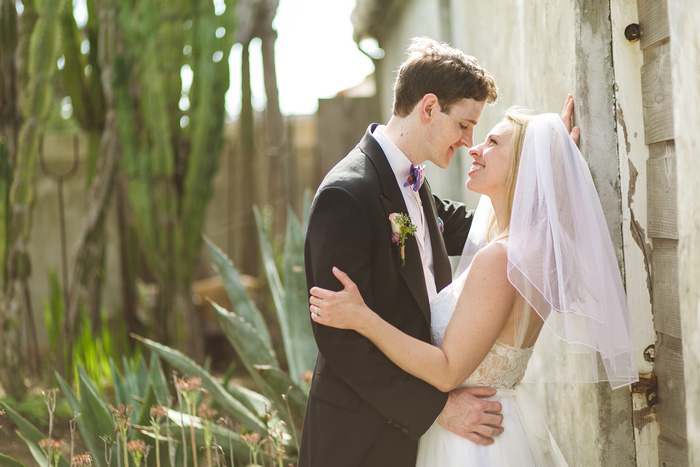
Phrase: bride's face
{"type": "Point", "coordinates": [489, 171]}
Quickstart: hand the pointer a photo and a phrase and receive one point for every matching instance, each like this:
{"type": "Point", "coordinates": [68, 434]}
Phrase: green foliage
{"type": "Point", "coordinates": [31, 436]}
{"type": "Point", "coordinates": [257, 416]}
{"type": "Point", "coordinates": [94, 350]}
{"type": "Point", "coordinates": [33, 408]}
{"type": "Point", "coordinates": [153, 58]}
{"type": "Point", "coordinates": [5, 182]}
{"type": "Point", "coordinates": [53, 311]}
{"type": "Point", "coordinates": [7, 461]}
{"type": "Point", "coordinates": [246, 329]}
{"type": "Point", "coordinates": [290, 295]}
{"type": "Point", "coordinates": [225, 400]}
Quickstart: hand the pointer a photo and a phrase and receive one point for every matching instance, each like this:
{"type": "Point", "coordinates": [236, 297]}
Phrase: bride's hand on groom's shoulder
{"type": "Point", "coordinates": [470, 416]}
{"type": "Point", "coordinates": [344, 309]}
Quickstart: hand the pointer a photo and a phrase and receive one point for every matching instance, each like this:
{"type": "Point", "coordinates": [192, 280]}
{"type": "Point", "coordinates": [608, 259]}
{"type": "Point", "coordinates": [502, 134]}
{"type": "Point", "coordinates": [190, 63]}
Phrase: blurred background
{"type": "Point", "coordinates": [131, 130]}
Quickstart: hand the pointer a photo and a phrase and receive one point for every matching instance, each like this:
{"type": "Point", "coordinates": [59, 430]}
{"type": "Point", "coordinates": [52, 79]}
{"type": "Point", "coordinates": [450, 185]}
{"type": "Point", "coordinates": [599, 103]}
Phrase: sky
{"type": "Point", "coordinates": [315, 54]}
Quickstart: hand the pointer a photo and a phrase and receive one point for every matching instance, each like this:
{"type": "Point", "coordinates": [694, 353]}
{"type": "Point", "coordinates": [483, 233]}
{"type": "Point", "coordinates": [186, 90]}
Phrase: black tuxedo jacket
{"type": "Point", "coordinates": [363, 410]}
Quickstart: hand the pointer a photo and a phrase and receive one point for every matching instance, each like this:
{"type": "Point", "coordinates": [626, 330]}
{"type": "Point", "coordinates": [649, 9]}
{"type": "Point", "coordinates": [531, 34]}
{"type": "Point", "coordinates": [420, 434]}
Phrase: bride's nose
{"type": "Point", "coordinates": [475, 151]}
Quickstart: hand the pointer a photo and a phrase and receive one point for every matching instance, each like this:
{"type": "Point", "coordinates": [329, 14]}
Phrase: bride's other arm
{"type": "Point", "coordinates": [481, 312]}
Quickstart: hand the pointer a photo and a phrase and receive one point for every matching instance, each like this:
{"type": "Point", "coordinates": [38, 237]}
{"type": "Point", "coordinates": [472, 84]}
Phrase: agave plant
{"type": "Point", "coordinates": [245, 327]}
{"type": "Point", "coordinates": [142, 387]}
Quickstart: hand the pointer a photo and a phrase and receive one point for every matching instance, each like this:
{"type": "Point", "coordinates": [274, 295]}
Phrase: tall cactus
{"type": "Point", "coordinates": [82, 82]}
{"type": "Point", "coordinates": [171, 155]}
{"type": "Point", "coordinates": [81, 78]}
{"type": "Point", "coordinates": [41, 66]}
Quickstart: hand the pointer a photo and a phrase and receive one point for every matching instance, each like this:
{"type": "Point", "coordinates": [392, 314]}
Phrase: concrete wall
{"type": "Point", "coordinates": [684, 18]}
{"type": "Point", "coordinates": [539, 51]}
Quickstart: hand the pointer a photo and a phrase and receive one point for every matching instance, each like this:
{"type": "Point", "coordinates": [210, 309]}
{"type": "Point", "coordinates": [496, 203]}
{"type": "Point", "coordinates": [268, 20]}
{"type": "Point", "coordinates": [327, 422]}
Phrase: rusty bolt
{"type": "Point", "coordinates": [632, 32]}
{"type": "Point", "coordinates": [650, 353]}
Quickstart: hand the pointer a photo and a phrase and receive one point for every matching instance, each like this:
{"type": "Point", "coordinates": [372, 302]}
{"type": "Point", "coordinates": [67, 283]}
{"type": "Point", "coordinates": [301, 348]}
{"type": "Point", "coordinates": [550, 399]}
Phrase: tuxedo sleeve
{"type": "Point", "coordinates": [457, 220]}
{"type": "Point", "coordinates": [340, 233]}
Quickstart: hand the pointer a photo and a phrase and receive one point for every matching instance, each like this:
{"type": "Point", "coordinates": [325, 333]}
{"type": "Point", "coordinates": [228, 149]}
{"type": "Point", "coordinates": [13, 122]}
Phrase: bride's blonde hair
{"type": "Point", "coordinates": [519, 119]}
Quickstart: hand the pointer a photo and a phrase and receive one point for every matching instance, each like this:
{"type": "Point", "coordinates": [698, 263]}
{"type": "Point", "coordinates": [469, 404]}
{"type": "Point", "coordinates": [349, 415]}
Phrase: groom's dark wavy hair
{"type": "Point", "coordinates": [437, 68]}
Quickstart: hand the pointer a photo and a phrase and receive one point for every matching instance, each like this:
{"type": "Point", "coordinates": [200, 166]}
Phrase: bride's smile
{"type": "Point", "coordinates": [489, 171]}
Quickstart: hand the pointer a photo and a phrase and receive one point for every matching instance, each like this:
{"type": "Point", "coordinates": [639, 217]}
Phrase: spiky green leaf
{"type": "Point", "coordinates": [31, 436]}
{"type": "Point", "coordinates": [36, 452]}
{"type": "Point", "coordinates": [7, 461]}
{"type": "Point", "coordinates": [95, 419]}
{"type": "Point", "coordinates": [242, 304]}
{"type": "Point", "coordinates": [290, 399]}
{"type": "Point", "coordinates": [188, 367]}
{"type": "Point", "coordinates": [157, 378]}
{"type": "Point", "coordinates": [299, 342]}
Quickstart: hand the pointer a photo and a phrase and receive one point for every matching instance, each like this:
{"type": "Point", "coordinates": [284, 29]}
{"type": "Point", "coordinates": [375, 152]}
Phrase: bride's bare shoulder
{"type": "Point", "coordinates": [490, 267]}
{"type": "Point", "coordinates": [492, 256]}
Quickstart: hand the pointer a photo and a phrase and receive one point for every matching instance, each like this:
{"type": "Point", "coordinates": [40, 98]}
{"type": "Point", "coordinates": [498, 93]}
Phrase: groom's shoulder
{"type": "Point", "coordinates": [354, 172]}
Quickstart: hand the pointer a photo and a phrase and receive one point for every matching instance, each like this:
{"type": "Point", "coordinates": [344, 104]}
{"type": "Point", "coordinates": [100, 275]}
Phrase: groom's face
{"type": "Point", "coordinates": [452, 130]}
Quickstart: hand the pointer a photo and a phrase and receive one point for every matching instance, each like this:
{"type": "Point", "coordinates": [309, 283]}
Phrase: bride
{"type": "Point", "coordinates": [540, 261]}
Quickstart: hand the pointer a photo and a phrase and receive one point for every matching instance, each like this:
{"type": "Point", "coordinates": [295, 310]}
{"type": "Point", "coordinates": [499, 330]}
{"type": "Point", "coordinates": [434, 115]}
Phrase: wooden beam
{"type": "Point", "coordinates": [669, 371]}
{"type": "Point", "coordinates": [657, 95]}
{"type": "Point", "coordinates": [653, 21]}
{"type": "Point", "coordinates": [664, 285]}
{"type": "Point", "coordinates": [673, 450]}
{"type": "Point", "coordinates": [662, 188]}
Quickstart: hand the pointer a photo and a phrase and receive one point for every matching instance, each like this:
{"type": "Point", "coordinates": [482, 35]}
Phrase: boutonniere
{"type": "Point", "coordinates": [401, 228]}
{"type": "Point", "coordinates": [441, 225]}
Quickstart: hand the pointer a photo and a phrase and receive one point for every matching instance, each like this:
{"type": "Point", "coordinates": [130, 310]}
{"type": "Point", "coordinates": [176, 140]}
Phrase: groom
{"type": "Point", "coordinates": [363, 410]}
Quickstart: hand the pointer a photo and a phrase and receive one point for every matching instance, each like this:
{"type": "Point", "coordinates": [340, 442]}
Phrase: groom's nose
{"type": "Point", "coordinates": [468, 137]}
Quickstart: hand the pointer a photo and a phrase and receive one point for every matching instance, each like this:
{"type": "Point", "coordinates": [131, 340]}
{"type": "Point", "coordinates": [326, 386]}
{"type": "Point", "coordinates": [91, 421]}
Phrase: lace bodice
{"type": "Point", "coordinates": [503, 367]}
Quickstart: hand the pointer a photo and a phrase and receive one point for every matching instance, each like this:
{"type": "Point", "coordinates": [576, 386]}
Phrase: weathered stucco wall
{"type": "Point", "coordinates": [633, 156]}
{"type": "Point", "coordinates": [684, 18]}
{"type": "Point", "coordinates": [539, 51]}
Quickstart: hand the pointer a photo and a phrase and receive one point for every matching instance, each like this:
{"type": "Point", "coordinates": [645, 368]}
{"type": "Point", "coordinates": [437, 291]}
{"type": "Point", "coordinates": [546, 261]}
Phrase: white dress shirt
{"type": "Point", "coordinates": [401, 166]}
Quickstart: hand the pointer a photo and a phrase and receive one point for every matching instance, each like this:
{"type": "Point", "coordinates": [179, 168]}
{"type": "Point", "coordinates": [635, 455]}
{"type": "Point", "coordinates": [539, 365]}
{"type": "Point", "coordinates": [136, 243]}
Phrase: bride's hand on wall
{"type": "Point", "coordinates": [344, 309]}
{"type": "Point", "coordinates": [566, 114]}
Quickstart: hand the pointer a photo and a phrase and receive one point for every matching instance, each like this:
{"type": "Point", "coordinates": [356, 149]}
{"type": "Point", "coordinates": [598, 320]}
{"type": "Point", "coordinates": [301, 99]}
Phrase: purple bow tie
{"type": "Point", "coordinates": [415, 177]}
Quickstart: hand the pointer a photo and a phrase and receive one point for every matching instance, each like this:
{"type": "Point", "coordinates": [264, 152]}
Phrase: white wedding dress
{"type": "Point", "coordinates": [526, 440]}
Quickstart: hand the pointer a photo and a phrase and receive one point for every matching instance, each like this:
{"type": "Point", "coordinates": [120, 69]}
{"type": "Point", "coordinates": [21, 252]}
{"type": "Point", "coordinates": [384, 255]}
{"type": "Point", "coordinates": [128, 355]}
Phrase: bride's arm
{"type": "Point", "coordinates": [481, 312]}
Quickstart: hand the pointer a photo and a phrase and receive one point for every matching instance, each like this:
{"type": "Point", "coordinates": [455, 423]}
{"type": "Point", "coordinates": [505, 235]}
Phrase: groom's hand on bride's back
{"type": "Point", "coordinates": [469, 416]}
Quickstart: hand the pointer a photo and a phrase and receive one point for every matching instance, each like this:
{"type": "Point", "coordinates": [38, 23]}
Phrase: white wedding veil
{"type": "Point", "coordinates": [561, 260]}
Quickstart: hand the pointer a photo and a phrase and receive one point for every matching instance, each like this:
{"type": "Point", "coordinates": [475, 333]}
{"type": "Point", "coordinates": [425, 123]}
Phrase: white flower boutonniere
{"type": "Point", "coordinates": [401, 228]}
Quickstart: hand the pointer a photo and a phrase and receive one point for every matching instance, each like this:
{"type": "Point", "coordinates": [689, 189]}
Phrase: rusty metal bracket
{"type": "Point", "coordinates": [647, 385]}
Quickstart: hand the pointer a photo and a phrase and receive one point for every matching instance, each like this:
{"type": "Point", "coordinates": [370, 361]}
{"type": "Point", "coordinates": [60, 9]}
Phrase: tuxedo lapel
{"type": "Point", "coordinates": [412, 270]}
{"type": "Point", "coordinates": [392, 201]}
{"type": "Point", "coordinates": [441, 262]}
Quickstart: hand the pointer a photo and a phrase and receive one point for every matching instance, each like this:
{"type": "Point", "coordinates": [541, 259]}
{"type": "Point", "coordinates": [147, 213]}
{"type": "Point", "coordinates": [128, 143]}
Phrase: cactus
{"type": "Point", "coordinates": [169, 167]}
{"type": "Point", "coordinates": [43, 53]}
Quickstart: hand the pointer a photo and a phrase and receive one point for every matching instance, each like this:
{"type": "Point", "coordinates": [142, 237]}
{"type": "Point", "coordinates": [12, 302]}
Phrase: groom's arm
{"type": "Point", "coordinates": [340, 234]}
{"type": "Point", "coordinates": [457, 220]}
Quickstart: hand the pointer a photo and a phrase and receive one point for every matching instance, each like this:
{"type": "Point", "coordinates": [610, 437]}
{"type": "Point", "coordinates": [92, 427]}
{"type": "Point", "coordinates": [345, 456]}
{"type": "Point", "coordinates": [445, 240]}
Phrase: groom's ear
{"type": "Point", "coordinates": [428, 107]}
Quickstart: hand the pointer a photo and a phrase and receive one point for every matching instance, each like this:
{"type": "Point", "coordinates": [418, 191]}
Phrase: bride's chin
{"type": "Point", "coordinates": [473, 187]}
